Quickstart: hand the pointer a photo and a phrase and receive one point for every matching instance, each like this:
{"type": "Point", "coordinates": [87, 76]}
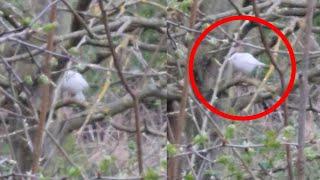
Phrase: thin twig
{"type": "Point", "coordinates": [173, 163]}
{"type": "Point", "coordinates": [45, 103]}
{"type": "Point", "coordinates": [281, 76]}
{"type": "Point", "coordinates": [235, 7]}
{"type": "Point", "coordinates": [80, 19]}
{"type": "Point", "coordinates": [304, 89]}
{"type": "Point", "coordinates": [133, 95]}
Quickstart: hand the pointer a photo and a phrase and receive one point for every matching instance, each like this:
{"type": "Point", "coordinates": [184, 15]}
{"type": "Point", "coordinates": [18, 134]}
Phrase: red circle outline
{"type": "Point", "coordinates": [231, 116]}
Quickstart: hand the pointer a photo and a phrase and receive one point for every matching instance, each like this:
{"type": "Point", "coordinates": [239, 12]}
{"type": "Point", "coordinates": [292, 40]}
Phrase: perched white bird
{"type": "Point", "coordinates": [245, 62]}
{"type": "Point", "coordinates": [74, 83]}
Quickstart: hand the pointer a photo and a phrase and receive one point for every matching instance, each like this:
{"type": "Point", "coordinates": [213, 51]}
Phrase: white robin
{"type": "Point", "coordinates": [74, 83]}
{"type": "Point", "coordinates": [245, 62]}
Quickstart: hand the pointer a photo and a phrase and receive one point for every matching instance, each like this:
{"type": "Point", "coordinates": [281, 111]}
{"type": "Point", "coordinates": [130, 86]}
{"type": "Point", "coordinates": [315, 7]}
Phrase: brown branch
{"type": "Point", "coordinates": [45, 89]}
{"type": "Point", "coordinates": [173, 163]}
{"type": "Point", "coordinates": [133, 95]}
{"type": "Point", "coordinates": [79, 19]}
{"type": "Point", "coordinates": [235, 7]}
{"type": "Point", "coordinates": [76, 24]}
{"type": "Point", "coordinates": [282, 81]}
{"type": "Point", "coordinates": [304, 89]}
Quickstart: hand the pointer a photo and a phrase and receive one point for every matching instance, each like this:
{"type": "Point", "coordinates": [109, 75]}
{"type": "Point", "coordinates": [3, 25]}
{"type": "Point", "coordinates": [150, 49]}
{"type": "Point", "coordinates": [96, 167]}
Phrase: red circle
{"type": "Point", "coordinates": [231, 116]}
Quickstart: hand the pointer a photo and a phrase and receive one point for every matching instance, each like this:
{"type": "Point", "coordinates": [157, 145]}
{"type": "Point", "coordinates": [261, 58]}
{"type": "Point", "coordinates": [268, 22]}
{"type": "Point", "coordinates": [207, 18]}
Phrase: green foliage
{"type": "Point", "coordinates": [310, 153]}
{"type": "Point", "coordinates": [266, 164]}
{"type": "Point", "coordinates": [189, 176]}
{"type": "Point", "coordinates": [164, 164]}
{"type": "Point", "coordinates": [238, 175]}
{"type": "Point", "coordinates": [146, 10]}
{"type": "Point", "coordinates": [181, 5]}
{"type": "Point", "coordinates": [171, 149]}
{"type": "Point", "coordinates": [49, 27]}
{"type": "Point", "coordinates": [247, 156]}
{"type": "Point", "coordinates": [28, 80]}
{"type": "Point", "coordinates": [229, 133]}
{"type": "Point", "coordinates": [270, 140]}
{"type": "Point", "coordinates": [289, 132]}
{"type": "Point", "coordinates": [230, 165]}
{"type": "Point", "coordinates": [132, 146]}
{"type": "Point", "coordinates": [42, 177]}
{"type": "Point", "coordinates": [185, 5]}
{"type": "Point", "coordinates": [224, 159]}
{"type": "Point", "coordinates": [106, 164]}
{"type": "Point", "coordinates": [210, 173]}
{"type": "Point", "coordinates": [151, 174]}
{"type": "Point", "coordinates": [36, 26]}
{"type": "Point", "coordinates": [74, 172]}
{"type": "Point", "coordinates": [200, 139]}
{"type": "Point", "coordinates": [43, 79]}
{"type": "Point", "coordinates": [26, 21]}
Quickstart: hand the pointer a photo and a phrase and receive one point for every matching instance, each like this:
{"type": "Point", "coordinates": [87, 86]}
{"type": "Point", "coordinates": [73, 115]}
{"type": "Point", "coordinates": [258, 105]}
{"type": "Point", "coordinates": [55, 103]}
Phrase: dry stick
{"type": "Point", "coordinates": [304, 89]}
{"type": "Point", "coordinates": [101, 94]}
{"type": "Point", "coordinates": [80, 19]}
{"type": "Point", "coordinates": [270, 71]}
{"type": "Point", "coordinates": [267, 49]}
{"type": "Point", "coordinates": [235, 7]}
{"type": "Point", "coordinates": [45, 89]}
{"type": "Point", "coordinates": [173, 164]}
{"type": "Point", "coordinates": [133, 95]}
{"type": "Point", "coordinates": [11, 149]}
{"type": "Point", "coordinates": [281, 76]}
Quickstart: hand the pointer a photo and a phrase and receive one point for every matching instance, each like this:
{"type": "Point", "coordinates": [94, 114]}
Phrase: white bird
{"type": "Point", "coordinates": [245, 62]}
{"type": "Point", "coordinates": [74, 83]}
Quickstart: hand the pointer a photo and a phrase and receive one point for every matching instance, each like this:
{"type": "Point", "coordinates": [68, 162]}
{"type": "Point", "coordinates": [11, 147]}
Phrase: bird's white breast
{"type": "Point", "coordinates": [245, 62]}
{"type": "Point", "coordinates": [74, 82]}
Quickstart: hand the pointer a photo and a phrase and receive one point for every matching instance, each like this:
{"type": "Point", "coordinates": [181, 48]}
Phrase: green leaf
{"type": "Point", "coordinates": [164, 164]}
{"type": "Point", "coordinates": [49, 27]}
{"type": "Point", "coordinates": [26, 21]}
{"type": "Point", "coordinates": [247, 156]}
{"type": "Point", "coordinates": [265, 164]}
{"type": "Point", "coordinates": [74, 172]}
{"type": "Point", "coordinates": [132, 146]}
{"type": "Point", "coordinates": [289, 132]}
{"type": "Point", "coordinates": [42, 177]}
{"type": "Point", "coordinates": [310, 153]}
{"type": "Point", "coordinates": [171, 149]}
{"type": "Point", "coordinates": [106, 163]}
{"type": "Point", "coordinates": [229, 134]}
{"type": "Point", "coordinates": [151, 175]}
{"type": "Point", "coordinates": [189, 176]}
{"type": "Point", "coordinates": [231, 167]}
{"type": "Point", "coordinates": [185, 5]}
{"type": "Point", "coordinates": [43, 79]}
{"type": "Point", "coordinates": [224, 159]}
{"type": "Point", "coordinates": [270, 140]}
{"type": "Point", "coordinates": [28, 80]}
{"type": "Point", "coordinates": [200, 139]}
{"type": "Point", "coordinates": [238, 175]}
